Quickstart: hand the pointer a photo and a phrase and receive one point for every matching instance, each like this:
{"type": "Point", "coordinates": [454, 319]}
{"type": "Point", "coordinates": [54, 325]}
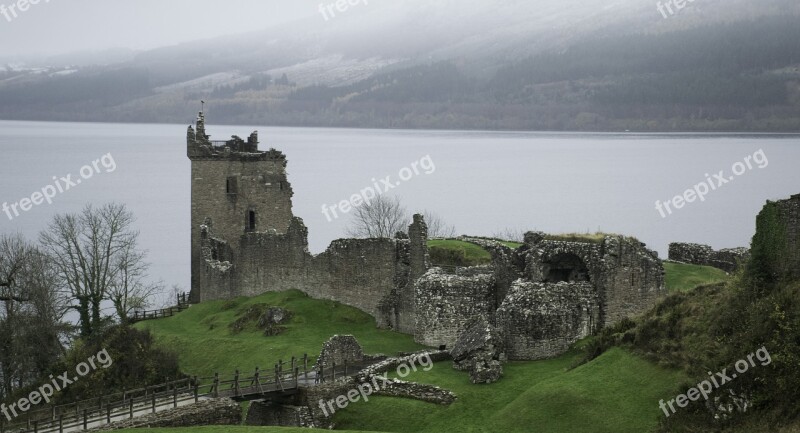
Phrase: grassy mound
{"type": "Point", "coordinates": [682, 277]}
{"type": "Point", "coordinates": [205, 343]}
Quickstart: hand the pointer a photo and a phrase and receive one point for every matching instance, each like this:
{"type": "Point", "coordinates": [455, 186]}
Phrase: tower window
{"type": "Point", "coordinates": [251, 221]}
{"type": "Point", "coordinates": [232, 185]}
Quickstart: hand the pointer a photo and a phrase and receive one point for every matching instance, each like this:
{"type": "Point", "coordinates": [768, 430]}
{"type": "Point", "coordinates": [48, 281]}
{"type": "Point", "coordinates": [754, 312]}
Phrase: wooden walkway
{"type": "Point", "coordinates": [285, 379]}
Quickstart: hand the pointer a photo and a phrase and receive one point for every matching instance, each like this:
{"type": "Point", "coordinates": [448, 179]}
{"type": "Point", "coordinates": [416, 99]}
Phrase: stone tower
{"type": "Point", "coordinates": [236, 190]}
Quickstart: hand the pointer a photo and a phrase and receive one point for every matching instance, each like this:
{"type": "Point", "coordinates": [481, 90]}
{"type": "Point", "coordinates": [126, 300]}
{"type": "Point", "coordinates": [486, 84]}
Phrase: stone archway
{"type": "Point", "coordinates": [565, 267]}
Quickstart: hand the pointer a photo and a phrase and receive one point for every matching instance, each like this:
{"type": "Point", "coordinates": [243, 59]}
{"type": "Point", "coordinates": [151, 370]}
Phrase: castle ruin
{"type": "Point", "coordinates": [541, 297]}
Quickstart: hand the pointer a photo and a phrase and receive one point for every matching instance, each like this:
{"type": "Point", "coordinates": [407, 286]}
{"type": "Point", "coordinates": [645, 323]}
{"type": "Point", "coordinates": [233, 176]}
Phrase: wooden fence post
{"type": "Point", "coordinates": [333, 370]}
{"type": "Point", "coordinates": [175, 397]}
{"type": "Point", "coordinates": [36, 427]}
{"type": "Point", "coordinates": [85, 420]}
{"type": "Point", "coordinates": [154, 402]}
{"type": "Point", "coordinates": [108, 414]}
{"type": "Point", "coordinates": [61, 424]}
{"type": "Point", "coordinates": [131, 409]}
{"type": "Point", "coordinates": [216, 385]}
{"type": "Point", "coordinates": [236, 389]}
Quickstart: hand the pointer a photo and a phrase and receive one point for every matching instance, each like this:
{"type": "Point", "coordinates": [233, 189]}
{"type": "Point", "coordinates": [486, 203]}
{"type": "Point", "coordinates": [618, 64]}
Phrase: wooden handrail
{"type": "Point", "coordinates": [108, 408]}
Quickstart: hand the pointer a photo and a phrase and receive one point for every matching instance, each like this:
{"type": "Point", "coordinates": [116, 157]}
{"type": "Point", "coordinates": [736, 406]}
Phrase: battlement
{"type": "Point", "coordinates": [200, 146]}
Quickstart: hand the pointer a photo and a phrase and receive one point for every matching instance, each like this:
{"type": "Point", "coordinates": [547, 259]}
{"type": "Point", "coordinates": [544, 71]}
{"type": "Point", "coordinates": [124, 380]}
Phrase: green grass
{"type": "Point", "coordinates": [682, 277]}
{"type": "Point", "coordinates": [617, 392]}
{"type": "Point", "coordinates": [224, 429]}
{"type": "Point", "coordinates": [204, 343]}
{"type": "Point", "coordinates": [511, 244]}
{"type": "Point", "coordinates": [457, 253]}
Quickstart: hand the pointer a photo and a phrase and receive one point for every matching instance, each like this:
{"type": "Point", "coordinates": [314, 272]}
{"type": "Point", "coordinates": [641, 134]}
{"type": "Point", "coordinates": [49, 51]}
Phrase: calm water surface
{"type": "Point", "coordinates": [483, 181]}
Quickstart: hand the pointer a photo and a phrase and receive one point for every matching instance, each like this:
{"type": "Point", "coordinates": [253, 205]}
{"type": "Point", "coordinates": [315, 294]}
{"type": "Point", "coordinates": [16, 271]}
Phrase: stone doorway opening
{"type": "Point", "coordinates": [566, 267]}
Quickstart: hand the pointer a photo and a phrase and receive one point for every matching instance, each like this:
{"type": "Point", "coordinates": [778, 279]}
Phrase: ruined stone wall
{"type": "Point", "coordinates": [413, 263]}
{"type": "Point", "coordinates": [507, 264]}
{"type": "Point", "coordinates": [340, 349]}
{"type": "Point", "coordinates": [446, 303]}
{"type": "Point", "coordinates": [632, 281]}
{"type": "Point", "coordinates": [790, 215]}
{"type": "Point", "coordinates": [776, 244]}
{"type": "Point", "coordinates": [728, 260]}
{"type": "Point", "coordinates": [541, 320]}
{"type": "Point", "coordinates": [628, 278]}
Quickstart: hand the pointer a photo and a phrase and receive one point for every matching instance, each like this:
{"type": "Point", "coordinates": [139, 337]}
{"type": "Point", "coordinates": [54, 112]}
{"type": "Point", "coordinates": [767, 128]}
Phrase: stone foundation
{"type": "Point", "coordinates": [222, 411]}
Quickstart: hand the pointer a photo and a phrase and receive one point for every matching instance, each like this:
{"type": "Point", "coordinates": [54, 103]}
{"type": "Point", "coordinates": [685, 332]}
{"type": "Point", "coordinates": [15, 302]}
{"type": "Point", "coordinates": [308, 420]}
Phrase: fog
{"type": "Point", "coordinates": [53, 27]}
{"type": "Point", "coordinates": [58, 27]}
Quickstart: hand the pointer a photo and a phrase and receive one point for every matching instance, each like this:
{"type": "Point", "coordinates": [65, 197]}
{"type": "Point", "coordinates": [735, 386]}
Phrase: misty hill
{"type": "Point", "coordinates": [556, 65]}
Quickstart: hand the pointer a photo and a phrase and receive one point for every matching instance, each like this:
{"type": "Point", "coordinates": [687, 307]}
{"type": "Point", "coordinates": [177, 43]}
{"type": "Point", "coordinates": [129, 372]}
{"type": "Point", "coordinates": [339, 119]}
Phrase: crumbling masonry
{"type": "Point", "coordinates": [539, 298]}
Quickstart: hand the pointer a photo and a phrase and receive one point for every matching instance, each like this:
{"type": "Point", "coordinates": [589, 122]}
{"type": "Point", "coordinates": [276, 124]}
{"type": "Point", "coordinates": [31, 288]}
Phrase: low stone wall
{"type": "Point", "coordinates": [729, 260]}
{"type": "Point", "coordinates": [417, 391]}
{"type": "Point", "coordinates": [220, 411]}
{"type": "Point", "coordinates": [311, 396]}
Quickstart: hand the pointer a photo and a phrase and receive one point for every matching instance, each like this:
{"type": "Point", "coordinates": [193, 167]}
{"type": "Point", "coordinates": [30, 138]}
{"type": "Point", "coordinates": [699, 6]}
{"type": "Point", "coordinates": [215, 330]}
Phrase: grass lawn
{"type": "Point", "coordinates": [204, 343]}
{"type": "Point", "coordinates": [223, 429]}
{"type": "Point", "coordinates": [682, 277]}
{"type": "Point", "coordinates": [617, 392]}
{"type": "Point", "coordinates": [472, 254]}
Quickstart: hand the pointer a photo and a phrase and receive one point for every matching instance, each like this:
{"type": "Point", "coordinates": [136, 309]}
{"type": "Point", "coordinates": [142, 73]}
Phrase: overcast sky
{"type": "Point", "coordinates": [64, 26]}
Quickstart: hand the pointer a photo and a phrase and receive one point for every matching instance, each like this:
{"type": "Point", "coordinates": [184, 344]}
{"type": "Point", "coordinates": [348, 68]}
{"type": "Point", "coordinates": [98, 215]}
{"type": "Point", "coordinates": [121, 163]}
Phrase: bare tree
{"type": "Point", "coordinates": [32, 330]}
{"type": "Point", "coordinates": [510, 234]}
{"type": "Point", "coordinates": [86, 250]}
{"type": "Point", "coordinates": [130, 290]}
{"type": "Point", "coordinates": [437, 226]}
{"type": "Point", "coordinates": [14, 253]}
{"type": "Point", "coordinates": [382, 217]}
